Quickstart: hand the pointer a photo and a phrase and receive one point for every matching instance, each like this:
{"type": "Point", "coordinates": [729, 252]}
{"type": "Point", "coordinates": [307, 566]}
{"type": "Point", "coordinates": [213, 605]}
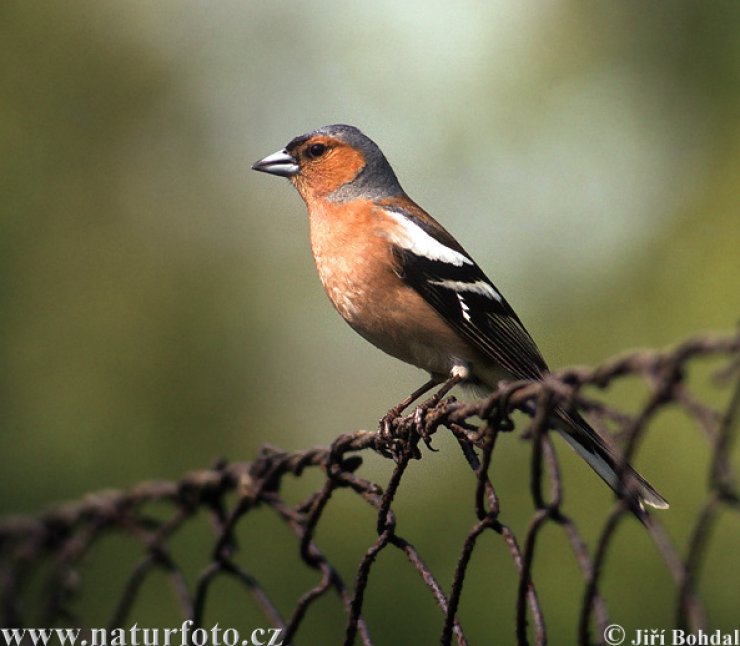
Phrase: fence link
{"type": "Point", "coordinates": [54, 543]}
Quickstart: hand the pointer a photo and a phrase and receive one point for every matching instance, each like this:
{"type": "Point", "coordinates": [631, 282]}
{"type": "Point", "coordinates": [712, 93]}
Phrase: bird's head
{"type": "Point", "coordinates": [337, 163]}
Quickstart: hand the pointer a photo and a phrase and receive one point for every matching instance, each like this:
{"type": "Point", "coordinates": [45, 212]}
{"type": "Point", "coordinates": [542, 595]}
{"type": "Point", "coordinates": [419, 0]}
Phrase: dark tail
{"type": "Point", "coordinates": [602, 459]}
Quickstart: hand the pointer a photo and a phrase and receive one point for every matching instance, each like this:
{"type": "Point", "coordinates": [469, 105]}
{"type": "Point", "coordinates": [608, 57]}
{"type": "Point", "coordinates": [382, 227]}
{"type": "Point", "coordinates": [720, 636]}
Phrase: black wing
{"type": "Point", "coordinates": [465, 297]}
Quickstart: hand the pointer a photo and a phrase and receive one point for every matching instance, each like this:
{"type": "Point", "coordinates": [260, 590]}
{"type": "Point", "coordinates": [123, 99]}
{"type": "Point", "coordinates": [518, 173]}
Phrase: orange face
{"type": "Point", "coordinates": [326, 163]}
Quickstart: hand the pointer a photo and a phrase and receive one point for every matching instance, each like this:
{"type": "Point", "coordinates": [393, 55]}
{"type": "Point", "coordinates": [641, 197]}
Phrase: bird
{"type": "Point", "coordinates": [406, 285]}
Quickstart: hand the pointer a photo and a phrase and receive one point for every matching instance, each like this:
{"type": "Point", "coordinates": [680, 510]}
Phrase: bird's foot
{"type": "Point", "coordinates": [398, 434]}
{"type": "Point", "coordinates": [390, 434]}
{"type": "Point", "coordinates": [420, 423]}
{"type": "Point", "coordinates": [396, 437]}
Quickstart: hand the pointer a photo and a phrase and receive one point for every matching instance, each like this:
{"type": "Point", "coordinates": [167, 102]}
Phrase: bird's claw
{"type": "Point", "coordinates": [389, 444]}
{"type": "Point", "coordinates": [397, 436]}
{"type": "Point", "coordinates": [388, 422]}
{"type": "Point", "coordinates": [421, 427]}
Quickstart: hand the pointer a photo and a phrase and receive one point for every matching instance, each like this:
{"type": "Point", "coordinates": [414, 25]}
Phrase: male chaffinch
{"type": "Point", "coordinates": [407, 286]}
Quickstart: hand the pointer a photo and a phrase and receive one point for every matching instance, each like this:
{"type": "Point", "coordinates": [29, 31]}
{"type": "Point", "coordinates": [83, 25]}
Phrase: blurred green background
{"type": "Point", "coordinates": [159, 306]}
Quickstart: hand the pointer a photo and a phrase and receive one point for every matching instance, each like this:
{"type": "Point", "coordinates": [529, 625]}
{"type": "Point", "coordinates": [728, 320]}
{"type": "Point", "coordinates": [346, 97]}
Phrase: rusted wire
{"type": "Point", "coordinates": [59, 538]}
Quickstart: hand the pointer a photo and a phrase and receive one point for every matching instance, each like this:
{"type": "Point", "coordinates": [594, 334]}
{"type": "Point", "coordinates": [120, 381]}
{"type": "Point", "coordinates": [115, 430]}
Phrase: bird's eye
{"type": "Point", "coordinates": [316, 150]}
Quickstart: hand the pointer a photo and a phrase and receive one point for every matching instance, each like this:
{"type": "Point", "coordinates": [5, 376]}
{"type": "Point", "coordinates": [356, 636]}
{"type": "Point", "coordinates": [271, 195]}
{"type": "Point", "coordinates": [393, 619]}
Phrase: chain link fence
{"type": "Point", "coordinates": [52, 545]}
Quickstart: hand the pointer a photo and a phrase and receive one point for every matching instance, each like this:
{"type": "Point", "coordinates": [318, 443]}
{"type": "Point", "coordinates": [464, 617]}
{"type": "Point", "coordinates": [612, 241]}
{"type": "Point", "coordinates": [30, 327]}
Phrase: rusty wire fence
{"type": "Point", "coordinates": [57, 541]}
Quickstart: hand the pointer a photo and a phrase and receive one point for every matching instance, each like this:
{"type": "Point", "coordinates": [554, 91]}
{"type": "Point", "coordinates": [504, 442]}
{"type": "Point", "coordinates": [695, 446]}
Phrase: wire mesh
{"type": "Point", "coordinates": [57, 540]}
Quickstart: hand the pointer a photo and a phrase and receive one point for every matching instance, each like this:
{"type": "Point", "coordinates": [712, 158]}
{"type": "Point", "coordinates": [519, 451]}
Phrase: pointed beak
{"type": "Point", "coordinates": [280, 163]}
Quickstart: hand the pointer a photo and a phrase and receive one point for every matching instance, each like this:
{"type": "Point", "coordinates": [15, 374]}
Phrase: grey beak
{"type": "Point", "coordinates": [280, 163]}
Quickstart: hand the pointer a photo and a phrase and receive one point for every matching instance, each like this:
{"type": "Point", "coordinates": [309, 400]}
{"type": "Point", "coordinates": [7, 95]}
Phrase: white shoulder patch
{"type": "Point", "coordinates": [412, 237]}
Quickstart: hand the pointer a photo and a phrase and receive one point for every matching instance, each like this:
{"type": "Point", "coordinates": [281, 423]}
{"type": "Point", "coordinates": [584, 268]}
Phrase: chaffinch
{"type": "Point", "coordinates": [406, 285]}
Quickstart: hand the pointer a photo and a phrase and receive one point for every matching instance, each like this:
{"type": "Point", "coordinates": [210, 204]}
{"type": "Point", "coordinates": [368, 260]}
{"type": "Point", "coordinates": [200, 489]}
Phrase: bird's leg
{"type": "Point", "coordinates": [386, 422]}
{"type": "Point", "coordinates": [447, 386]}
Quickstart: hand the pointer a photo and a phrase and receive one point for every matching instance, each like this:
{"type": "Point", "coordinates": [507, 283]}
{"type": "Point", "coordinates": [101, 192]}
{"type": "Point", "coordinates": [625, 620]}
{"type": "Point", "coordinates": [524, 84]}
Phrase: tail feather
{"type": "Point", "coordinates": [602, 459]}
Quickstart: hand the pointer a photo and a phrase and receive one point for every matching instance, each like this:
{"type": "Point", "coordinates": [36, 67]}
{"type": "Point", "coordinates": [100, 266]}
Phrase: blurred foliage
{"type": "Point", "coordinates": [158, 307]}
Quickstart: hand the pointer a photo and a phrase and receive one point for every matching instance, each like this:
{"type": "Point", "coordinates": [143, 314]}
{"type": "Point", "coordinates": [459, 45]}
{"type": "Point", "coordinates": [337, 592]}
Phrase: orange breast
{"type": "Point", "coordinates": [357, 269]}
